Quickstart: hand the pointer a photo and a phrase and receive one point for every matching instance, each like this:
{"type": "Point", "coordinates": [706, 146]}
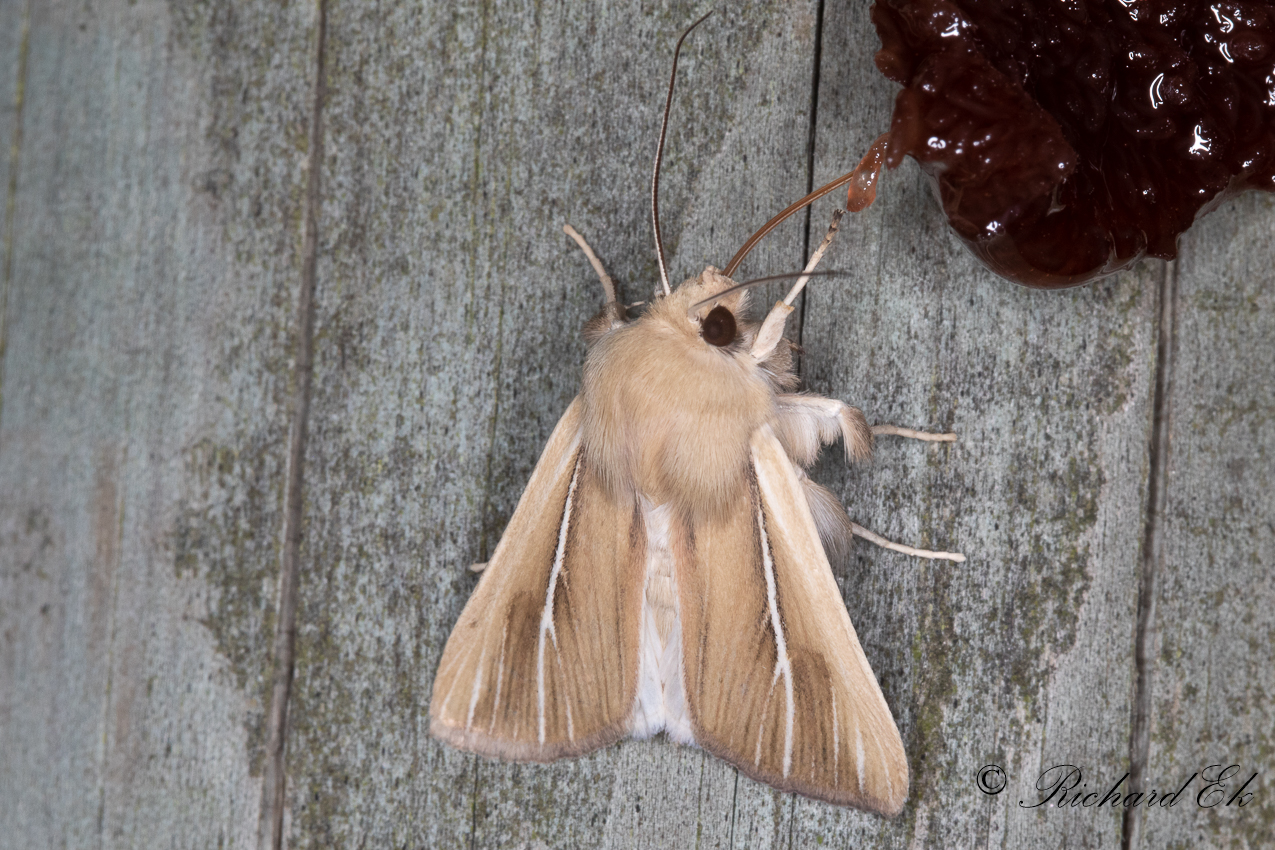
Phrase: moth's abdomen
{"type": "Point", "coordinates": [660, 705]}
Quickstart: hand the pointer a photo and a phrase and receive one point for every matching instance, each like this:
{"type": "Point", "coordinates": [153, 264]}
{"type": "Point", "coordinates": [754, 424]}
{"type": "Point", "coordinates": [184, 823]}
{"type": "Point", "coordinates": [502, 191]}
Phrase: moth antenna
{"type": "Point", "coordinates": [926, 436]}
{"type": "Point", "coordinates": [773, 327]}
{"type": "Point", "coordinates": [758, 281]}
{"type": "Point", "coordinates": [607, 284]}
{"type": "Point", "coordinates": [858, 199]}
{"type": "Point", "coordinates": [871, 537]}
{"type": "Point", "coordinates": [659, 154]}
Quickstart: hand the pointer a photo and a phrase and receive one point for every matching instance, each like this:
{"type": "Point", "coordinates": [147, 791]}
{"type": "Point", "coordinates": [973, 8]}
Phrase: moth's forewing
{"type": "Point", "coordinates": [776, 680]}
{"type": "Point", "coordinates": [543, 661]}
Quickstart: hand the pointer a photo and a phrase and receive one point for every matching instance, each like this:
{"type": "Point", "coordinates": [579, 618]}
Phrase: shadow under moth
{"type": "Point", "coordinates": [667, 567]}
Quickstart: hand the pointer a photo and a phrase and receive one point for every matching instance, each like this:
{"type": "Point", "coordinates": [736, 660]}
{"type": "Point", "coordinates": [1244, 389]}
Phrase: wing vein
{"type": "Point", "coordinates": [836, 740]}
{"type": "Point", "coordinates": [546, 615]}
{"type": "Point", "coordinates": [783, 667]}
{"type": "Point", "coordinates": [500, 677]}
{"type": "Point", "coordinates": [451, 689]}
{"type": "Point", "coordinates": [858, 754]}
{"type": "Point", "coordinates": [477, 690]}
{"type": "Point", "coordinates": [885, 768]}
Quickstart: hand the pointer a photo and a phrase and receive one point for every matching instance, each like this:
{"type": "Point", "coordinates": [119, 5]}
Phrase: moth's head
{"type": "Point", "coordinates": [671, 398]}
{"type": "Point", "coordinates": [700, 332]}
{"type": "Point", "coordinates": [706, 313]}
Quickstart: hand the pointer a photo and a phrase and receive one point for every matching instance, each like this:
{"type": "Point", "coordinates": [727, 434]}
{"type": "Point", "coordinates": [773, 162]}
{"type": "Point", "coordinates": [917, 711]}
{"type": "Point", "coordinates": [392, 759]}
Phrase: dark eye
{"type": "Point", "coordinates": [718, 327]}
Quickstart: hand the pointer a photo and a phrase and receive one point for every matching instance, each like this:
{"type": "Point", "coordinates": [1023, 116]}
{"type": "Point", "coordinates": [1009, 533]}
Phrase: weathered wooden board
{"type": "Point", "coordinates": [13, 56]}
{"type": "Point", "coordinates": [146, 387]}
{"type": "Point", "coordinates": [147, 384]}
{"type": "Point", "coordinates": [449, 308]}
{"type": "Point", "coordinates": [1021, 656]}
{"type": "Point", "coordinates": [1213, 700]}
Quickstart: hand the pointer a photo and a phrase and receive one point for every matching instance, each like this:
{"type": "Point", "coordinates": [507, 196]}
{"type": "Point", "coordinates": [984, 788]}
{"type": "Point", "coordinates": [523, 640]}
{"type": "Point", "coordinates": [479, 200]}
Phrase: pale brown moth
{"type": "Point", "coordinates": [666, 568]}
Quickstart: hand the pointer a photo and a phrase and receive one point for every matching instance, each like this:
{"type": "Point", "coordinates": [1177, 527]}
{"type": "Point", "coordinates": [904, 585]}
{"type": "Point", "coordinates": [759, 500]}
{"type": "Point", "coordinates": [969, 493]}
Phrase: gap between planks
{"type": "Point", "coordinates": [274, 779]}
{"type": "Point", "coordinates": [1152, 549]}
{"type": "Point", "coordinates": [816, 68]}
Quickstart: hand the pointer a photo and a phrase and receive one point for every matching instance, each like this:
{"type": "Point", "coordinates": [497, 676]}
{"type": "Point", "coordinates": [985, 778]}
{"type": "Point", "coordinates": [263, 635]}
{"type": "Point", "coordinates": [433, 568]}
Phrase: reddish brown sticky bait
{"type": "Point", "coordinates": [1070, 138]}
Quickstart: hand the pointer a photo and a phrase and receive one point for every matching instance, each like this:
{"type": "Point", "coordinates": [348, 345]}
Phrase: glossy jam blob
{"type": "Point", "coordinates": [1069, 138]}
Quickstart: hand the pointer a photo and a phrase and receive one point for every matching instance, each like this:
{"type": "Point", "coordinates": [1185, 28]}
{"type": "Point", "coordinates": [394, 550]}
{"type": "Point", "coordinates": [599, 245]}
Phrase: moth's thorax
{"type": "Point", "coordinates": [668, 415]}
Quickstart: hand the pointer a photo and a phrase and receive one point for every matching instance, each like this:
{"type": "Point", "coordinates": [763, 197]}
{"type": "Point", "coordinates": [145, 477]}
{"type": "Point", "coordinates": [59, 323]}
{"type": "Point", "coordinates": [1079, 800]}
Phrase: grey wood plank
{"type": "Point", "coordinates": [12, 76]}
{"type": "Point", "coordinates": [1213, 695]}
{"type": "Point", "coordinates": [146, 391]}
{"type": "Point", "coordinates": [1022, 656]}
{"type": "Point", "coordinates": [147, 382]}
{"type": "Point", "coordinates": [449, 308]}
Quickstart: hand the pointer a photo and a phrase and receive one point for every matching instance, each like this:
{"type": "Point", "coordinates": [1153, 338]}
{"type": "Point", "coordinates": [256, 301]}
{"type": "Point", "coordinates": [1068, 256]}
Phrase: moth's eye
{"type": "Point", "coordinates": [718, 327]}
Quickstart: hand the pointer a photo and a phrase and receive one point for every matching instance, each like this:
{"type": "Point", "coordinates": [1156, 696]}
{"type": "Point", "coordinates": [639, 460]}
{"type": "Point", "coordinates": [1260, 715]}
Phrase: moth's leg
{"type": "Point", "coordinates": [806, 423]}
{"type": "Point", "coordinates": [928, 436]}
{"type": "Point", "coordinates": [872, 537]}
{"type": "Point", "coordinates": [612, 313]}
{"type": "Point", "coordinates": [478, 568]}
{"type": "Point", "coordinates": [772, 328]}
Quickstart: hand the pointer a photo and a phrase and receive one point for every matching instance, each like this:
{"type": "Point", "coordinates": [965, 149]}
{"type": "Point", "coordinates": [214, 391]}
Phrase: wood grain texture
{"type": "Point", "coordinates": [1213, 697]}
{"type": "Point", "coordinates": [1021, 656]}
{"type": "Point", "coordinates": [145, 380]}
{"type": "Point", "coordinates": [13, 73]}
{"type": "Point", "coordinates": [450, 305]}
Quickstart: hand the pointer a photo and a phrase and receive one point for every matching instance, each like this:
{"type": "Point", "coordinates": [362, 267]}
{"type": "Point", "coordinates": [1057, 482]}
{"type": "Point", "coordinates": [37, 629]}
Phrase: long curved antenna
{"type": "Point", "coordinates": [659, 154]}
{"type": "Point", "coordinates": [758, 281]}
{"type": "Point", "coordinates": [861, 195]}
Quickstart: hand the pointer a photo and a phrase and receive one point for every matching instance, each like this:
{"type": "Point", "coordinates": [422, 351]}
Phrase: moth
{"type": "Point", "coordinates": [667, 567]}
